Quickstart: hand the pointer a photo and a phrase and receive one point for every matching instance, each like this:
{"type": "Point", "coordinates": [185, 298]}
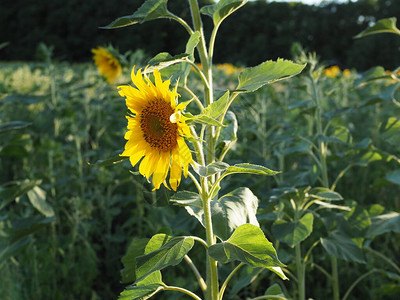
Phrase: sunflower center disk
{"type": "Point", "coordinates": [156, 126]}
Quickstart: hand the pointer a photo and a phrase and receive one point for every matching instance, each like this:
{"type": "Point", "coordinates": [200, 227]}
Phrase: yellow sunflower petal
{"type": "Point", "coordinates": [161, 171]}
{"type": "Point", "coordinates": [176, 170]}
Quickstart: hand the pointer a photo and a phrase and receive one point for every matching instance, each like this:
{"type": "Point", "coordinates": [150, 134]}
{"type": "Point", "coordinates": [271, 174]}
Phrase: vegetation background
{"type": "Point", "coordinates": [67, 218]}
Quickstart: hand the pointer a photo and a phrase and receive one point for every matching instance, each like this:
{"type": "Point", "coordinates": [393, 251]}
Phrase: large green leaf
{"type": "Point", "coordinates": [251, 79]}
{"type": "Point", "coordinates": [135, 249]}
{"type": "Point", "coordinates": [385, 25]}
{"type": "Point", "coordinates": [342, 247]}
{"type": "Point", "coordinates": [292, 233]}
{"type": "Point", "coordinates": [230, 211]}
{"type": "Point", "coordinates": [144, 289]}
{"type": "Point", "coordinates": [222, 9]}
{"type": "Point", "coordinates": [150, 10]}
{"type": "Point", "coordinates": [325, 194]}
{"type": "Point", "coordinates": [37, 197]}
{"type": "Point", "coordinates": [162, 251]}
{"type": "Point", "coordinates": [248, 245]}
{"type": "Point", "coordinates": [384, 223]}
{"type": "Point", "coordinates": [275, 290]}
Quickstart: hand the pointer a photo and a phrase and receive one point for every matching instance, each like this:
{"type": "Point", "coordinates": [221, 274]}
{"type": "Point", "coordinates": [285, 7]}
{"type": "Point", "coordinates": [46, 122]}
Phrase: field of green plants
{"type": "Point", "coordinates": [74, 215]}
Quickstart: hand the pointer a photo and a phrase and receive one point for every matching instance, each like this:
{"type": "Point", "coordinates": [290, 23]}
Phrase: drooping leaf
{"type": "Point", "coordinates": [162, 251]}
{"type": "Point", "coordinates": [14, 125]}
{"type": "Point", "coordinates": [37, 197]}
{"type": "Point", "coordinates": [382, 26]}
{"type": "Point", "coordinates": [230, 211]}
{"type": "Point", "coordinates": [251, 79]}
{"type": "Point", "coordinates": [222, 9]}
{"type": "Point", "coordinates": [248, 245]}
{"type": "Point", "coordinates": [150, 10]}
{"type": "Point", "coordinates": [213, 168]}
{"type": "Point", "coordinates": [383, 224]}
{"type": "Point", "coordinates": [292, 233]}
{"type": "Point", "coordinates": [26, 226]}
{"type": "Point", "coordinates": [145, 289]}
{"type": "Point", "coordinates": [164, 60]}
{"type": "Point", "coordinates": [135, 249]}
{"type": "Point", "coordinates": [342, 247]}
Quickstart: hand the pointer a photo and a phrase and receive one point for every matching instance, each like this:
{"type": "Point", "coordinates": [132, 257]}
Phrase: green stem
{"type": "Point", "coordinates": [225, 284]}
{"type": "Point", "coordinates": [300, 273]}
{"type": "Point", "coordinates": [182, 290]}
{"type": "Point", "coordinates": [182, 22]}
{"type": "Point", "coordinates": [196, 272]}
{"type": "Point", "coordinates": [335, 278]}
{"type": "Point", "coordinates": [357, 281]}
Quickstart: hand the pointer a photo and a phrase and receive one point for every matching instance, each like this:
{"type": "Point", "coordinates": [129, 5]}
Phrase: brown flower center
{"type": "Point", "coordinates": [156, 126]}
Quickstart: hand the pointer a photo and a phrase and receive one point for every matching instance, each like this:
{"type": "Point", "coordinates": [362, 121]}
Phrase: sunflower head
{"type": "Point", "coordinates": [156, 130]}
{"type": "Point", "coordinates": [107, 63]}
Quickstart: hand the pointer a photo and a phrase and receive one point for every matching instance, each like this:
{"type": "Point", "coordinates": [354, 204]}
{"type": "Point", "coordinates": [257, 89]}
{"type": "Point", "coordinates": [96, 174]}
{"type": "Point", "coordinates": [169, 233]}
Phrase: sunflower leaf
{"type": "Point", "coordinates": [146, 288]}
{"type": "Point", "coordinates": [382, 26]}
{"type": "Point", "coordinates": [164, 60]}
{"type": "Point", "coordinates": [135, 249]}
{"type": "Point", "coordinates": [228, 212]}
{"type": "Point", "coordinates": [219, 11]}
{"type": "Point", "coordinates": [250, 169]}
{"type": "Point", "coordinates": [342, 247]}
{"type": "Point", "coordinates": [247, 244]}
{"type": "Point", "coordinates": [150, 10]}
{"type": "Point", "coordinates": [215, 109]}
{"type": "Point", "coordinates": [162, 251]}
{"type": "Point", "coordinates": [251, 79]}
{"type": "Point", "coordinates": [292, 233]}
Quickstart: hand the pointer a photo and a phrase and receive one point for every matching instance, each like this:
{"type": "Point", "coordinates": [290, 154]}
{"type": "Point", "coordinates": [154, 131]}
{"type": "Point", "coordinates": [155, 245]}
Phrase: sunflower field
{"type": "Point", "coordinates": [173, 177]}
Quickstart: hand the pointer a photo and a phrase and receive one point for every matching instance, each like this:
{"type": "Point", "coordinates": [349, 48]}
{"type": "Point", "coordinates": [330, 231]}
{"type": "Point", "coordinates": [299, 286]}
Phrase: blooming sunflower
{"type": "Point", "coordinates": [156, 130]}
{"type": "Point", "coordinates": [108, 65]}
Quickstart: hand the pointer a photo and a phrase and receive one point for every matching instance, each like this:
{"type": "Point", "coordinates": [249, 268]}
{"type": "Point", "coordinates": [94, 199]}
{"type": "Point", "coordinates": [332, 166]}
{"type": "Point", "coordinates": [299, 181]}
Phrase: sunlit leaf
{"type": "Point", "coordinates": [146, 288]}
{"type": "Point", "coordinates": [222, 9]}
{"type": "Point", "coordinates": [213, 168]}
{"type": "Point", "coordinates": [37, 197]}
{"type": "Point", "coordinates": [251, 79]}
{"type": "Point", "coordinates": [248, 245]}
{"type": "Point", "coordinates": [215, 109]}
{"type": "Point", "coordinates": [383, 224]}
{"type": "Point", "coordinates": [393, 177]}
{"type": "Point", "coordinates": [228, 212]}
{"type": "Point", "coordinates": [250, 169]}
{"type": "Point", "coordinates": [162, 251]}
{"type": "Point", "coordinates": [382, 26]}
{"type": "Point", "coordinates": [150, 10]}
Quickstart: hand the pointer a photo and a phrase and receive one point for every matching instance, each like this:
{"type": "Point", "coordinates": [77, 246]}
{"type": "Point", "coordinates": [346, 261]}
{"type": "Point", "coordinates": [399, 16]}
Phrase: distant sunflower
{"type": "Point", "coordinates": [107, 64]}
{"type": "Point", "coordinates": [156, 130]}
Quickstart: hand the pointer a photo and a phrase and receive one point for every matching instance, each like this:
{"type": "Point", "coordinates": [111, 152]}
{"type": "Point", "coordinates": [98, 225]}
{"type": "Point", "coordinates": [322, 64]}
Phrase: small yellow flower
{"type": "Point", "coordinates": [107, 64]}
{"type": "Point", "coordinates": [156, 130]}
{"type": "Point", "coordinates": [346, 73]}
{"type": "Point", "coordinates": [332, 72]}
{"type": "Point", "coordinates": [228, 68]}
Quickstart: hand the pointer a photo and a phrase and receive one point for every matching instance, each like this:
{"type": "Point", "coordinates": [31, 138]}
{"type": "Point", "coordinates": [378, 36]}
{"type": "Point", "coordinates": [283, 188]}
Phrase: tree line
{"type": "Point", "coordinates": [259, 31]}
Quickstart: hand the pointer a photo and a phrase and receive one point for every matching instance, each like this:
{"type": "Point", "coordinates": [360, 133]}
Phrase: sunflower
{"type": "Point", "coordinates": [107, 63]}
{"type": "Point", "coordinates": [156, 130]}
